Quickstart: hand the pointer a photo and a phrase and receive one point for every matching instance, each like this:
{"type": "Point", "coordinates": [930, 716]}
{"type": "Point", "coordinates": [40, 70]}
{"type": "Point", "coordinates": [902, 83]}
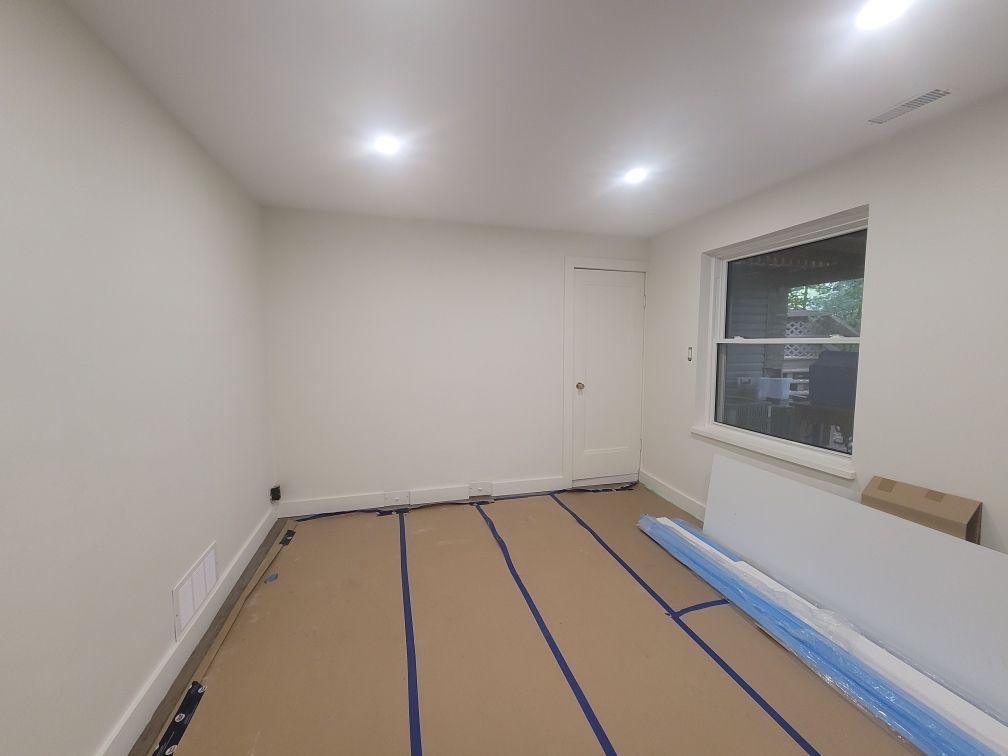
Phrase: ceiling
{"type": "Point", "coordinates": [528, 112]}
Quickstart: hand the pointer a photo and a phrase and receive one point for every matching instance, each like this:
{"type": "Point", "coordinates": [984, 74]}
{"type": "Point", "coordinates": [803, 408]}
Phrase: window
{"type": "Point", "coordinates": [786, 336]}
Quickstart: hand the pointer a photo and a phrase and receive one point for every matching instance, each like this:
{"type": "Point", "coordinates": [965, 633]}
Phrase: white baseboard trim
{"type": "Point", "coordinates": [327, 504]}
{"type": "Point", "coordinates": [376, 499]}
{"type": "Point", "coordinates": [438, 495]}
{"type": "Point", "coordinates": [608, 480]}
{"type": "Point", "coordinates": [125, 732]}
{"type": "Point", "coordinates": [530, 486]}
{"type": "Point", "coordinates": [672, 494]}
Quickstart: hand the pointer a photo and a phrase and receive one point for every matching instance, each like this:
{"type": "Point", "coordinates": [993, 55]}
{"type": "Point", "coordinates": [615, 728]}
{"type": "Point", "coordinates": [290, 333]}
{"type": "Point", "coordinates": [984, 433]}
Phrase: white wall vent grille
{"type": "Point", "coordinates": [191, 592]}
{"type": "Point", "coordinates": [906, 107]}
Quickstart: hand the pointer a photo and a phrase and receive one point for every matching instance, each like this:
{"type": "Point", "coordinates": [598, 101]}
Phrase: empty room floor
{"type": "Point", "coordinates": [547, 624]}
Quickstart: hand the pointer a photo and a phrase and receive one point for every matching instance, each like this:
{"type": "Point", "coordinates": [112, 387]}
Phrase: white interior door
{"type": "Point", "coordinates": [608, 373]}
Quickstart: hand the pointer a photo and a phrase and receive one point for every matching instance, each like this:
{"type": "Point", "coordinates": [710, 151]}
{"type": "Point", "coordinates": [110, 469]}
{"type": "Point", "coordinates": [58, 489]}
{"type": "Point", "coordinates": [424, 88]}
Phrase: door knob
{"type": "Point", "coordinates": [579, 386]}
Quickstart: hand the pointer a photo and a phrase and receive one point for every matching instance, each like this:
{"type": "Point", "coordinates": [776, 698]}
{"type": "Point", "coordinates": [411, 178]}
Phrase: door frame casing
{"type": "Point", "coordinates": [570, 265]}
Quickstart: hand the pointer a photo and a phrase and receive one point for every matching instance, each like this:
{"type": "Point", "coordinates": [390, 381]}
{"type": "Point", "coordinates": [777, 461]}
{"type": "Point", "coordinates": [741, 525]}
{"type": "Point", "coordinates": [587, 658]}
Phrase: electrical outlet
{"type": "Point", "coordinates": [477, 490]}
{"type": "Point", "coordinates": [397, 498]}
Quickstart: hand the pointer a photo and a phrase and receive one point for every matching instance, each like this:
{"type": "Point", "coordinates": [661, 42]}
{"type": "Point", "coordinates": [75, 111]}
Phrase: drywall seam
{"type": "Point", "coordinates": [125, 732]}
{"type": "Point", "coordinates": [673, 495]}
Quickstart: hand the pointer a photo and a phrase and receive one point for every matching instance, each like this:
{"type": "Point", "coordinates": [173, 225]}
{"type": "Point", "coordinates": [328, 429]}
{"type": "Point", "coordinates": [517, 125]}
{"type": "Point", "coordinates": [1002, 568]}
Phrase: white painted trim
{"type": "Point", "coordinates": [823, 460]}
{"type": "Point", "coordinates": [125, 732]}
{"type": "Point", "coordinates": [327, 504]}
{"type": "Point", "coordinates": [827, 227]}
{"type": "Point", "coordinates": [803, 340]}
{"type": "Point", "coordinates": [713, 293]}
{"type": "Point", "coordinates": [530, 486]}
{"type": "Point", "coordinates": [570, 265]}
{"type": "Point", "coordinates": [446, 494]}
{"type": "Point", "coordinates": [673, 495]}
{"type": "Point", "coordinates": [607, 480]}
{"type": "Point", "coordinates": [439, 495]}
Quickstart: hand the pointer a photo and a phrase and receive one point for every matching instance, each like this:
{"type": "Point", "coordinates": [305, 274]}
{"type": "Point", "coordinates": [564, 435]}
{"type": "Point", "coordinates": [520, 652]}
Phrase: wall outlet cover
{"type": "Point", "coordinates": [477, 490]}
{"type": "Point", "coordinates": [397, 498]}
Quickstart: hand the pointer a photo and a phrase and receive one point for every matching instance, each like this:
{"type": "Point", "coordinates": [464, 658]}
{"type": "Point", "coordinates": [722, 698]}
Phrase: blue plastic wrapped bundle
{"type": "Point", "coordinates": [919, 724]}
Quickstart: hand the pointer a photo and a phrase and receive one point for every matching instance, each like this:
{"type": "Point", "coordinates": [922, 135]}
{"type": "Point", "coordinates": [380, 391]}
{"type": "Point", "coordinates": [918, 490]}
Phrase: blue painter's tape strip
{"type": "Point", "coordinates": [176, 729]}
{"type": "Point", "coordinates": [411, 674]}
{"type": "Point", "coordinates": [762, 702]}
{"type": "Point", "coordinates": [913, 720]}
{"type": "Point", "coordinates": [582, 699]}
{"type": "Point", "coordinates": [704, 605]}
{"type": "Point", "coordinates": [510, 497]}
{"type": "Point", "coordinates": [324, 515]}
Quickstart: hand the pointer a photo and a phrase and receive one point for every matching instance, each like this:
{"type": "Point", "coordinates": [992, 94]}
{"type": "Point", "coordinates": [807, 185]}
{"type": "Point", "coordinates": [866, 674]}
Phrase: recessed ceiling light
{"type": "Point", "coordinates": [386, 144]}
{"type": "Point", "coordinates": [877, 13]}
{"type": "Point", "coordinates": [635, 175]}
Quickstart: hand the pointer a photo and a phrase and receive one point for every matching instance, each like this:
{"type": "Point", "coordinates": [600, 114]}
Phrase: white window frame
{"type": "Point", "coordinates": [713, 301]}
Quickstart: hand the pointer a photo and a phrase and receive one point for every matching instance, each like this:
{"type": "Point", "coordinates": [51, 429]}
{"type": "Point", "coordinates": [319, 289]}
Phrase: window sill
{"type": "Point", "coordinates": [831, 463]}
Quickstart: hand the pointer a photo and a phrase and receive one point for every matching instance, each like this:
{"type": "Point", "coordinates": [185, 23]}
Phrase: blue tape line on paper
{"type": "Point", "coordinates": [762, 702]}
{"type": "Point", "coordinates": [411, 674]}
{"type": "Point", "coordinates": [704, 605]}
{"type": "Point", "coordinates": [579, 694]}
{"type": "Point", "coordinates": [323, 515]}
{"type": "Point", "coordinates": [921, 726]}
{"type": "Point", "coordinates": [176, 729]}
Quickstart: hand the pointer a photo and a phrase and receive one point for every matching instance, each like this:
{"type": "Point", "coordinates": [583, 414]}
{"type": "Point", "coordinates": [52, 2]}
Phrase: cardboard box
{"type": "Point", "coordinates": [950, 514]}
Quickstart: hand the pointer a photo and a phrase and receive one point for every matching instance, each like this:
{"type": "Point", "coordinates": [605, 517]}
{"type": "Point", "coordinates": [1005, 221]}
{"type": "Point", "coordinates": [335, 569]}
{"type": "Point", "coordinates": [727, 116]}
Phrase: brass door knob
{"type": "Point", "coordinates": [579, 386]}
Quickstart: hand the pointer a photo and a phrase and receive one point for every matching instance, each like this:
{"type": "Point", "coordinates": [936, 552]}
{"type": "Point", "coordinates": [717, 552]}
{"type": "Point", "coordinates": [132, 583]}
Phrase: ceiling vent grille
{"type": "Point", "coordinates": [906, 107]}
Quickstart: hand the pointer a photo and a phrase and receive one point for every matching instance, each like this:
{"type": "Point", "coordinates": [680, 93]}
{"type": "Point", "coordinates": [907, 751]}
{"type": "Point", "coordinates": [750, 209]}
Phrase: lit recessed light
{"type": "Point", "coordinates": [877, 13]}
{"type": "Point", "coordinates": [635, 175]}
{"type": "Point", "coordinates": [386, 145]}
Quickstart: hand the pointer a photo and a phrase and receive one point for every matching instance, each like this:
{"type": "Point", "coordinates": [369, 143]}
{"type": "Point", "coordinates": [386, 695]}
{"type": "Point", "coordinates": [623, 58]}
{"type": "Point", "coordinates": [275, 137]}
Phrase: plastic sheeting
{"type": "Point", "coordinates": [920, 725]}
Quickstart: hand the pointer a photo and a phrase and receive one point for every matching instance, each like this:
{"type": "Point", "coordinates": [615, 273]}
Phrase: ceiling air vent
{"type": "Point", "coordinates": [906, 107]}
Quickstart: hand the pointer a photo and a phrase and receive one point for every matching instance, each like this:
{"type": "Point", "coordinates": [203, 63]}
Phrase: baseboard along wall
{"type": "Point", "coordinates": [672, 494]}
{"type": "Point", "coordinates": [130, 725]}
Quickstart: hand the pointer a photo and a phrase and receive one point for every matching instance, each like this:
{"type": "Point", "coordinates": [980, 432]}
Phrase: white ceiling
{"type": "Point", "coordinates": [526, 112]}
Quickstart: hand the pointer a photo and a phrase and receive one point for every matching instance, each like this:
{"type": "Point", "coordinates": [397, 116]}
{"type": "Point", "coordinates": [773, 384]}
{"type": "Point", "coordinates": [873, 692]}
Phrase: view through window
{"type": "Point", "coordinates": [787, 360]}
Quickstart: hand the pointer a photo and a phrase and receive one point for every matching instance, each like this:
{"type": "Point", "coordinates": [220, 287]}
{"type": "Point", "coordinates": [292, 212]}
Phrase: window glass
{"type": "Point", "coordinates": [798, 392]}
{"type": "Point", "coordinates": [809, 291]}
{"type": "Point", "coordinates": [801, 390]}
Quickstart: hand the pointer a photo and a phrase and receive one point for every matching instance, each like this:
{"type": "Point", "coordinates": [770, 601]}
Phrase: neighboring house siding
{"type": "Point", "coordinates": [749, 314]}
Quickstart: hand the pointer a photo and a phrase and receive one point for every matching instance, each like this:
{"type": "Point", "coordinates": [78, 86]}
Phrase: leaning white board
{"type": "Point", "coordinates": [937, 601]}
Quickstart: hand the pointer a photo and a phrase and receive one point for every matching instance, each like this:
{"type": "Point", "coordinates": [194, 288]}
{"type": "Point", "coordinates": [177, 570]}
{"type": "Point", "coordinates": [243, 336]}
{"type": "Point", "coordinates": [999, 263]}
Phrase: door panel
{"type": "Point", "coordinates": [609, 363]}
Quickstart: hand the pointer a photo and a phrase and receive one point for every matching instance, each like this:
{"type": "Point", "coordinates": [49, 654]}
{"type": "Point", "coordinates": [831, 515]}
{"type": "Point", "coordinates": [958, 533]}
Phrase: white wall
{"type": "Point", "coordinates": [131, 422]}
{"type": "Point", "coordinates": [407, 355]}
{"type": "Point", "coordinates": [932, 408]}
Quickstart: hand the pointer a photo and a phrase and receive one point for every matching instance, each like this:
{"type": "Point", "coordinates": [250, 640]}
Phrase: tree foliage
{"type": "Point", "coordinates": [839, 298]}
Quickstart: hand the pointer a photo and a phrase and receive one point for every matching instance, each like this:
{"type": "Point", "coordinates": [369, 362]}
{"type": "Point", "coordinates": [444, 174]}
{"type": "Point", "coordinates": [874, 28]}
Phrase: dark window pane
{"type": "Point", "coordinates": [798, 392]}
{"type": "Point", "coordinates": [809, 291]}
